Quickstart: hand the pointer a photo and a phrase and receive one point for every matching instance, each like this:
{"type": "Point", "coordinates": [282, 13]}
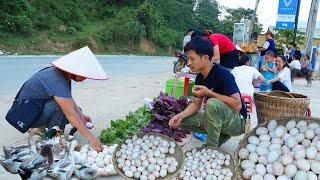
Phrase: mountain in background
{"type": "Point", "coordinates": [108, 27]}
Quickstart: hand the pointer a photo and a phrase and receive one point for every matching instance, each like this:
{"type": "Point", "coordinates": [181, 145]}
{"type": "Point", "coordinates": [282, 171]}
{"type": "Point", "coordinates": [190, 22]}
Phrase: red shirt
{"type": "Point", "coordinates": [225, 44]}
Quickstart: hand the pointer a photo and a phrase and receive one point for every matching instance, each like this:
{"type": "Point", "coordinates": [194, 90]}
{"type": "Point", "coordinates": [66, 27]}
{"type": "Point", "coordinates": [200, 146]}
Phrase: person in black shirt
{"type": "Point", "coordinates": [224, 112]}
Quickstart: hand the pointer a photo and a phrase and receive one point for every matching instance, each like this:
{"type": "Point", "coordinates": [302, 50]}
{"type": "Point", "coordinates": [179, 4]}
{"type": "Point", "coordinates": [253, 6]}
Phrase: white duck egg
{"type": "Point", "coordinates": [253, 157]}
{"type": "Point", "coordinates": [317, 131]}
{"type": "Point", "coordinates": [253, 140]}
{"type": "Point", "coordinates": [262, 160]}
{"type": "Point", "coordinates": [285, 149]}
{"type": "Point", "coordinates": [247, 173]}
{"type": "Point", "coordinates": [269, 177]}
{"type": "Point", "coordinates": [265, 144]}
{"type": "Point", "coordinates": [303, 129]}
{"type": "Point", "coordinates": [299, 154]}
{"type": "Point", "coordinates": [262, 151]}
{"type": "Point", "coordinates": [301, 123]}
{"type": "Point", "coordinates": [172, 169]}
{"type": "Point", "coordinates": [280, 131]}
{"type": "Point", "coordinates": [306, 143]}
{"type": "Point", "coordinates": [300, 137]}
{"type": "Point", "coordinates": [172, 144]}
{"type": "Point", "coordinates": [291, 142]}
{"type": "Point", "coordinates": [297, 147]}
{"type": "Point", "coordinates": [277, 168]}
{"type": "Point", "coordinates": [272, 125]}
{"type": "Point", "coordinates": [300, 175]}
{"type": "Point", "coordinates": [256, 177]}
{"type": "Point", "coordinates": [272, 134]}
{"type": "Point", "coordinates": [291, 124]}
{"type": "Point", "coordinates": [269, 168]}
{"type": "Point", "coordinates": [315, 167]}
{"type": "Point", "coordinates": [156, 174]}
{"type": "Point", "coordinates": [128, 173]}
{"type": "Point", "coordinates": [247, 164]}
{"type": "Point", "coordinates": [260, 169]}
{"type": "Point", "coordinates": [294, 131]}
{"type": "Point", "coordinates": [309, 134]}
{"type": "Point", "coordinates": [274, 147]}
{"type": "Point", "coordinates": [313, 126]}
{"type": "Point", "coordinates": [283, 177]}
{"type": "Point", "coordinates": [290, 170]}
{"type": "Point", "coordinates": [251, 147]}
{"type": "Point", "coordinates": [277, 141]}
{"type": "Point", "coordinates": [303, 164]}
{"type": "Point", "coordinates": [312, 175]}
{"type": "Point", "coordinates": [311, 152]}
{"type": "Point", "coordinates": [286, 159]}
{"type": "Point", "coordinates": [264, 137]}
{"type": "Point", "coordinates": [273, 155]}
{"type": "Point", "coordinates": [171, 150]}
{"type": "Point", "coordinates": [261, 131]}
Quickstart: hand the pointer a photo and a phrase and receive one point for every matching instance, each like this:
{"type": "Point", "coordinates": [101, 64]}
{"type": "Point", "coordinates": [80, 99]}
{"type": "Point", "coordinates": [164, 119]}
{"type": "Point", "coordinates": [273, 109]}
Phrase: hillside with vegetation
{"type": "Point", "coordinates": [152, 27]}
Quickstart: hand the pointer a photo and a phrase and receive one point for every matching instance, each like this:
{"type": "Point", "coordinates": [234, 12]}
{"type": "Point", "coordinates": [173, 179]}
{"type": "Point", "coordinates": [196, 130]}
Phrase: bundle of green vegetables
{"type": "Point", "coordinates": [121, 129]}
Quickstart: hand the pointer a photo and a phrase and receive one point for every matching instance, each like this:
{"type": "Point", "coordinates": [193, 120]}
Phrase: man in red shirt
{"type": "Point", "coordinates": [224, 49]}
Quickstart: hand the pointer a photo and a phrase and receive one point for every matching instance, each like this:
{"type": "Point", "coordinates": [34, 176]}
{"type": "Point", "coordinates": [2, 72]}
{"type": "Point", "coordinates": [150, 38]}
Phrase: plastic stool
{"type": "Point", "coordinates": [247, 101]}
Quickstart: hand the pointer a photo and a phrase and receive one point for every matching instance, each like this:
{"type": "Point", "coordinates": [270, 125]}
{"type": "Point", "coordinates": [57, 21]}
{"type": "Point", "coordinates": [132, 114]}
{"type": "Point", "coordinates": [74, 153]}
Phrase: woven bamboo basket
{"type": "Point", "coordinates": [244, 141]}
{"type": "Point", "coordinates": [231, 166]}
{"type": "Point", "coordinates": [178, 155]}
{"type": "Point", "coordinates": [279, 104]}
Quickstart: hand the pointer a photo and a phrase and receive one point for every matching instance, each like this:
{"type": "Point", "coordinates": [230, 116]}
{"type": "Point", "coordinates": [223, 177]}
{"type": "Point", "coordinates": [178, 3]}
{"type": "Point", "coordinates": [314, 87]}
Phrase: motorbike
{"type": "Point", "coordinates": [181, 63]}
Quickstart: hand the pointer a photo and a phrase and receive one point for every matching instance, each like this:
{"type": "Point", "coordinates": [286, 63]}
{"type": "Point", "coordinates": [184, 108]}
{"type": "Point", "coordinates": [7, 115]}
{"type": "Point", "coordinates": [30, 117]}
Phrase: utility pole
{"type": "Point", "coordinates": [296, 23]}
{"type": "Point", "coordinates": [311, 25]}
{"type": "Point", "coordinates": [253, 19]}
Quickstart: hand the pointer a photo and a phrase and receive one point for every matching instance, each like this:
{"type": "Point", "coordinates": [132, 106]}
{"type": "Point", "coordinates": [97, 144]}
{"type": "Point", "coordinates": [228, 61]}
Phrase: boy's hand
{"type": "Point", "coordinates": [265, 68]}
{"type": "Point", "coordinates": [200, 91]}
{"type": "Point", "coordinates": [175, 121]}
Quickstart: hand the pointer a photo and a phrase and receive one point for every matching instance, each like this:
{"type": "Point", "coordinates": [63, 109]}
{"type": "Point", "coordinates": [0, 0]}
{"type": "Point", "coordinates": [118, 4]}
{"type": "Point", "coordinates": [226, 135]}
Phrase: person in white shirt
{"type": "Point", "coordinates": [282, 81]}
{"type": "Point", "coordinates": [187, 38]}
{"type": "Point", "coordinates": [295, 67]}
{"type": "Point", "coordinates": [295, 64]}
{"type": "Point", "coordinates": [244, 75]}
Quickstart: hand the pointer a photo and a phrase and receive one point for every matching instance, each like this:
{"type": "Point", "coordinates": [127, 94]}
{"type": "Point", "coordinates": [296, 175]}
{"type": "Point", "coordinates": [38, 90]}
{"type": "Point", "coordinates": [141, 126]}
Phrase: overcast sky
{"type": "Point", "coordinates": [267, 10]}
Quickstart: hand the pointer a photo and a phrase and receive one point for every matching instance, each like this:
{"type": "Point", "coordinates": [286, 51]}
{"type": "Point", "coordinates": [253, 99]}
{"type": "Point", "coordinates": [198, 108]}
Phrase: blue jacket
{"type": "Point", "coordinates": [272, 47]}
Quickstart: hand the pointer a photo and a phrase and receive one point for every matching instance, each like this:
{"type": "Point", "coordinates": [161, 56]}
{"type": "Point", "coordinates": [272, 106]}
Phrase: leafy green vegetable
{"type": "Point", "coordinates": [121, 129]}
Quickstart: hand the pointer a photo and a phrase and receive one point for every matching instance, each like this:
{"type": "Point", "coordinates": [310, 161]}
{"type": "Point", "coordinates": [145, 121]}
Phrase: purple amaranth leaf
{"type": "Point", "coordinates": [161, 118]}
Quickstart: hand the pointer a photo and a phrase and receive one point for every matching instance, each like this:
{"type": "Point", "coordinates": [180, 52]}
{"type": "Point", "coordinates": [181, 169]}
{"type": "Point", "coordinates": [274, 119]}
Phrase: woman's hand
{"type": "Point", "coordinates": [96, 144]}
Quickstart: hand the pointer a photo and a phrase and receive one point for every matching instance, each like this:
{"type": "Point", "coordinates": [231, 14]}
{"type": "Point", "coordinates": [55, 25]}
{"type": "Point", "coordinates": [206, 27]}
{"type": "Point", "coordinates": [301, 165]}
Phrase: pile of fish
{"type": "Point", "coordinates": [56, 158]}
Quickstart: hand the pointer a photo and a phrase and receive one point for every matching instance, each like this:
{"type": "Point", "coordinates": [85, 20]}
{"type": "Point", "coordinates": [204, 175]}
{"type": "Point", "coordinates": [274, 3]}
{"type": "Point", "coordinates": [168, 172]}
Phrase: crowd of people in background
{"type": "Point", "coordinates": [224, 77]}
{"type": "Point", "coordinates": [275, 71]}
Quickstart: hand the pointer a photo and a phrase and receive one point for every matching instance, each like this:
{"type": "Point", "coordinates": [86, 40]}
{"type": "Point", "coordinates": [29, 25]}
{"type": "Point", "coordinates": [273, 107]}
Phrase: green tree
{"type": "Point", "coordinates": [176, 14]}
{"type": "Point", "coordinates": [206, 15]}
{"type": "Point", "coordinates": [285, 36]}
{"type": "Point", "coordinates": [148, 17]}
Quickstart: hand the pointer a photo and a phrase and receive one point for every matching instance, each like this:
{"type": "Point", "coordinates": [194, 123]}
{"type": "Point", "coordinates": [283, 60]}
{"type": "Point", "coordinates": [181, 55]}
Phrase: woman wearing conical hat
{"type": "Point", "coordinates": [45, 99]}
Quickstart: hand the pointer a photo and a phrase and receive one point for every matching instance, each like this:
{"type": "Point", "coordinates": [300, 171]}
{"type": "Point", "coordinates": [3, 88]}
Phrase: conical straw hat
{"type": "Point", "coordinates": [81, 62]}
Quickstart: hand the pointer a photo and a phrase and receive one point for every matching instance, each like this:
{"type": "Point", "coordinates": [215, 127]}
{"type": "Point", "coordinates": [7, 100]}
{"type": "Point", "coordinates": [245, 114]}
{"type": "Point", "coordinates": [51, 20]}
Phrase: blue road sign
{"type": "Point", "coordinates": [286, 14]}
